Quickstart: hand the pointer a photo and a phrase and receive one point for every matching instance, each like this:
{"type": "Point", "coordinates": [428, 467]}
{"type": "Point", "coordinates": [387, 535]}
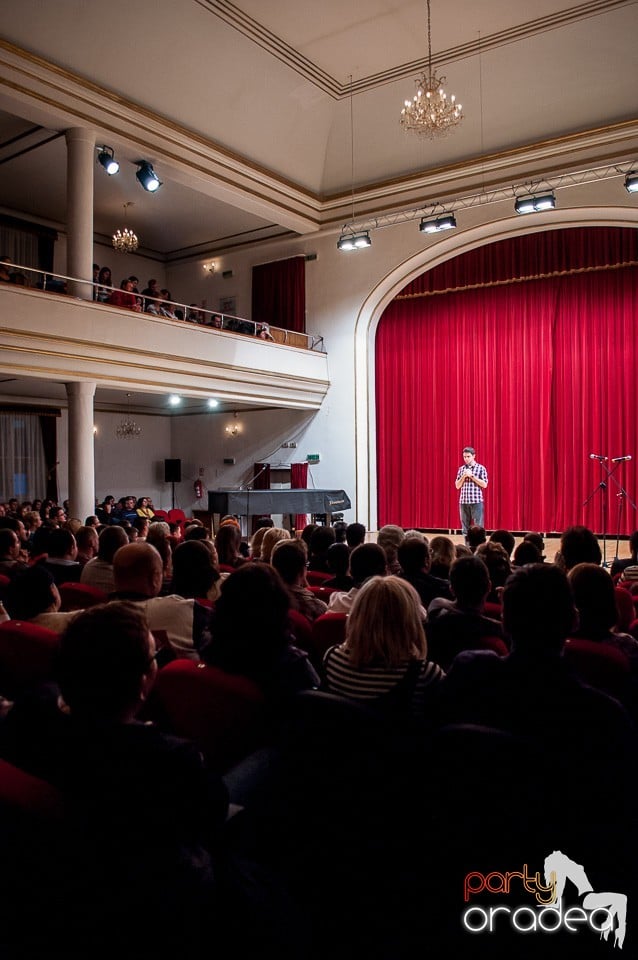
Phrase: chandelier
{"type": "Point", "coordinates": [430, 113]}
{"type": "Point", "coordinates": [127, 429]}
{"type": "Point", "coordinates": [124, 240]}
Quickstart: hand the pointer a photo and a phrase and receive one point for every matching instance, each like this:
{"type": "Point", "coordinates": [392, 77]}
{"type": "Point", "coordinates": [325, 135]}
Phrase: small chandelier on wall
{"type": "Point", "coordinates": [127, 428]}
{"type": "Point", "coordinates": [430, 113]}
{"type": "Point", "coordinates": [124, 240]}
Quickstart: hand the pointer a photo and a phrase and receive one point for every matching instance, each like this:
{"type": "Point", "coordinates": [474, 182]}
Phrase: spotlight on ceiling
{"type": "Point", "coordinates": [535, 203]}
{"type": "Point", "coordinates": [147, 176]}
{"type": "Point", "coordinates": [212, 403]}
{"type": "Point", "coordinates": [107, 159]}
{"type": "Point", "coordinates": [631, 182]}
{"type": "Point", "coordinates": [354, 241]}
{"type": "Point", "coordinates": [174, 400]}
{"type": "Point", "coordinates": [435, 224]}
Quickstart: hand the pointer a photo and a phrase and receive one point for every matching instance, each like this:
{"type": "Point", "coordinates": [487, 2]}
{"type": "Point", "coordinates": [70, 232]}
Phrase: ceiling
{"type": "Point", "coordinates": [271, 87]}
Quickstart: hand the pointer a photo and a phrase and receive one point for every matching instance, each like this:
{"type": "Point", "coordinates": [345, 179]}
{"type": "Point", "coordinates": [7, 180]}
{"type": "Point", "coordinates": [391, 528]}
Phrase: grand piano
{"type": "Point", "coordinates": [249, 503]}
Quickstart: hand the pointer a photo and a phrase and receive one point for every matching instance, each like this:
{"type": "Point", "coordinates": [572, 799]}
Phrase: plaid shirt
{"type": "Point", "coordinates": [471, 492]}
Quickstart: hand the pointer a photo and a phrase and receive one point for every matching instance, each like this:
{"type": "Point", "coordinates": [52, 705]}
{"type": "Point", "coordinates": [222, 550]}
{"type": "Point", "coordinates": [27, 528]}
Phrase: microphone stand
{"type": "Point", "coordinates": [249, 487]}
{"type": "Point", "coordinates": [603, 503]}
{"type": "Point", "coordinates": [621, 496]}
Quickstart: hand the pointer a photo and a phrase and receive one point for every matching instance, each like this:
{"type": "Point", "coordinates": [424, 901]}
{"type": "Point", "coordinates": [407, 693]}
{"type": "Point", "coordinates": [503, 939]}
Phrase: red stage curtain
{"type": "Point", "coordinates": [299, 481]}
{"type": "Point", "coordinates": [279, 294]}
{"type": "Point", "coordinates": [536, 375]}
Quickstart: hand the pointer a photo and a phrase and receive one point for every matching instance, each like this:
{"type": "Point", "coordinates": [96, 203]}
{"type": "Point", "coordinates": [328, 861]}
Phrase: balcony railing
{"type": "Point", "coordinates": [156, 306]}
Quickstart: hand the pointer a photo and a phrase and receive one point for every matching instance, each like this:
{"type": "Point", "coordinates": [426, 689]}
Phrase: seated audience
{"type": "Point", "coordinates": [338, 559]}
{"type": "Point", "coordinates": [495, 557]}
{"type": "Point", "coordinates": [367, 560]}
{"type": "Point", "coordinates": [142, 508]}
{"type": "Point", "coordinates": [506, 540]}
{"type": "Point", "coordinates": [289, 560]}
{"type": "Point", "coordinates": [142, 524]}
{"type": "Point", "coordinates": [526, 552]}
{"type": "Point", "coordinates": [389, 538]}
{"type": "Point", "coordinates": [249, 633]}
{"type": "Point", "coordinates": [320, 542]}
{"type": "Point", "coordinates": [443, 556]}
{"type": "Point", "coordinates": [539, 543]}
{"type": "Point", "coordinates": [124, 297]}
{"type": "Point", "coordinates": [270, 539]}
{"type": "Point", "coordinates": [579, 545]}
{"type": "Point", "coordinates": [355, 535]}
{"type": "Point", "coordinates": [195, 573]}
{"type": "Point", "coordinates": [61, 559]}
{"type": "Point", "coordinates": [99, 571]}
{"type": "Point", "coordinates": [618, 566]}
{"type": "Point", "coordinates": [340, 528]}
{"type": "Point", "coordinates": [307, 532]}
{"type": "Point", "coordinates": [125, 509]}
{"type": "Point", "coordinates": [105, 281]}
{"type": "Point", "coordinates": [32, 595]}
{"type": "Point", "coordinates": [383, 661]}
{"type": "Point", "coordinates": [475, 537]}
{"type": "Point", "coordinates": [414, 557]}
{"type": "Point", "coordinates": [459, 624]}
{"type": "Point", "coordinates": [10, 549]}
{"type": "Point", "coordinates": [227, 542]}
{"type": "Point", "coordinates": [595, 600]}
{"type": "Point", "coordinates": [87, 542]}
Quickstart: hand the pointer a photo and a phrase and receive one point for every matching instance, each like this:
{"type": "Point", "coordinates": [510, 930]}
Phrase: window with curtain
{"type": "Point", "coordinates": [536, 374]}
{"type": "Point", "coordinates": [279, 294]}
{"type": "Point", "coordinates": [23, 472]}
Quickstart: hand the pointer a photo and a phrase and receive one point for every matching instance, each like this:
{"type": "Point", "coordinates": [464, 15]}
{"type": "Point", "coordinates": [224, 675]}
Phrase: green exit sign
{"type": "Point", "coordinates": [313, 458]}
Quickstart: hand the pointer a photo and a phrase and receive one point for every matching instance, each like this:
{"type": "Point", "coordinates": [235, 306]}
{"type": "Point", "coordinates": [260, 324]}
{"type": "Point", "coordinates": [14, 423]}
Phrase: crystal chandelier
{"type": "Point", "coordinates": [430, 113]}
{"type": "Point", "coordinates": [128, 429]}
{"type": "Point", "coordinates": [125, 241]}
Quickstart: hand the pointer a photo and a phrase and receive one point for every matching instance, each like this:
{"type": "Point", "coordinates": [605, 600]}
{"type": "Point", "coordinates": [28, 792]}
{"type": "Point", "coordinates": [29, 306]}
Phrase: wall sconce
{"type": "Point", "coordinates": [233, 429]}
{"type": "Point", "coordinates": [209, 268]}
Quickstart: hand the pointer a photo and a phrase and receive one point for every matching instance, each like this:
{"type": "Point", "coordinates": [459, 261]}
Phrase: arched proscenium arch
{"type": "Point", "coordinates": [378, 299]}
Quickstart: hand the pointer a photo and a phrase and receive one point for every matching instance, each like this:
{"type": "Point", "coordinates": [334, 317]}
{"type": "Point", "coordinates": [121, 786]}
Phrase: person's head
{"type": "Point", "coordinates": [32, 521]}
{"type": "Point", "coordinates": [538, 609]}
{"type": "Point", "coordinates": [138, 568]}
{"type": "Point", "coordinates": [105, 277]}
{"type": "Point", "coordinates": [109, 542]}
{"type": "Point", "coordinates": [31, 592]}
{"type": "Point", "coordinates": [92, 521]}
{"type": "Point", "coordinates": [57, 514]}
{"type": "Point", "coordinates": [249, 626]}
{"type": "Point", "coordinates": [389, 538]}
{"type": "Point", "coordinates": [61, 545]}
{"type": "Point", "coordinates": [355, 534]}
{"type": "Point", "coordinates": [87, 542]}
{"type": "Point", "coordinates": [227, 540]}
{"type": "Point", "coordinates": [414, 555]}
{"type": "Point", "coordinates": [340, 528]}
{"type": "Point", "coordinates": [506, 540]}
{"type": "Point", "coordinates": [469, 456]}
{"type": "Point", "coordinates": [595, 598]}
{"type": "Point", "coordinates": [307, 533]}
{"type": "Point", "coordinates": [475, 537]}
{"type": "Point", "coordinates": [141, 524]}
{"type": "Point", "coordinates": [289, 560]}
{"type": "Point", "coordinates": [338, 559]}
{"type": "Point", "coordinates": [497, 561]}
{"type": "Point", "coordinates": [106, 663]}
{"type": "Point", "coordinates": [367, 560]}
{"type": "Point", "coordinates": [195, 532]}
{"type": "Point", "coordinates": [194, 570]}
{"type": "Point", "coordinates": [526, 552]}
{"type": "Point", "coordinates": [633, 545]}
{"type": "Point", "coordinates": [442, 551]}
{"type": "Point", "coordinates": [270, 538]}
{"type": "Point", "coordinates": [537, 540]}
{"type": "Point", "coordinates": [127, 285]}
{"type": "Point", "coordinates": [96, 272]}
{"type": "Point", "coordinates": [579, 545]}
{"type": "Point", "coordinates": [470, 582]}
{"type": "Point", "coordinates": [384, 627]}
{"type": "Point", "coordinates": [9, 544]}
{"type": "Point", "coordinates": [320, 541]}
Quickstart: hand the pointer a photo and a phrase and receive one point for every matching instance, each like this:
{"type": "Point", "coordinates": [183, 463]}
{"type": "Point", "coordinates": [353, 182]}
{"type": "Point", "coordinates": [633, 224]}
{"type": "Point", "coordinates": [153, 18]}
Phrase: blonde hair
{"type": "Point", "coordinates": [272, 536]}
{"type": "Point", "coordinates": [384, 627]}
{"type": "Point", "coordinates": [255, 543]}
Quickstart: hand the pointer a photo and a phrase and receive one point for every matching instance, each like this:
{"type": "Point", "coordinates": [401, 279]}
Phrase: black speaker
{"type": "Point", "coordinates": [172, 471]}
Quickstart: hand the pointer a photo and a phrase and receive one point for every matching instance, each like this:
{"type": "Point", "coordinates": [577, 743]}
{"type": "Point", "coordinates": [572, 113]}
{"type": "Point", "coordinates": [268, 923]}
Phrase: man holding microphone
{"type": "Point", "coordinates": [471, 480]}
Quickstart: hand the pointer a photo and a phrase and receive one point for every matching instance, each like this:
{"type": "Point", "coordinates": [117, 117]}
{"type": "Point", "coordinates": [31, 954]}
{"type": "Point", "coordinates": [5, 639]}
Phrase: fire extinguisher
{"type": "Point", "coordinates": [199, 488]}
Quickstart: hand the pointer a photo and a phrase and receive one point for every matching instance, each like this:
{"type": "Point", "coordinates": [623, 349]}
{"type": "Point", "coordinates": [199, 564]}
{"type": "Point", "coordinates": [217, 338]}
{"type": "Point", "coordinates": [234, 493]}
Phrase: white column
{"type": "Point", "coordinates": [80, 453]}
{"type": "Point", "coordinates": [80, 147]}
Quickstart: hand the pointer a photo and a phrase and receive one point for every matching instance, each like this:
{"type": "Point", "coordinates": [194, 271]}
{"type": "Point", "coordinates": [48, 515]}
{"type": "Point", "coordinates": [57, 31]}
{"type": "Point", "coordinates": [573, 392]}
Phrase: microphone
{"type": "Point", "coordinates": [596, 456]}
{"type": "Point", "coordinates": [620, 459]}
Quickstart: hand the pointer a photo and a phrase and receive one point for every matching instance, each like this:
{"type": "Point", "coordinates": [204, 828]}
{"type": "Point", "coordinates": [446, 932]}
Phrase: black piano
{"type": "Point", "coordinates": [250, 503]}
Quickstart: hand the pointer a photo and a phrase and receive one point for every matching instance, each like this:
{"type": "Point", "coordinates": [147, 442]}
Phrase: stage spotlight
{"type": "Point", "coordinates": [631, 183]}
{"type": "Point", "coordinates": [354, 241]}
{"type": "Point", "coordinates": [436, 224]}
{"type": "Point", "coordinates": [212, 403]}
{"type": "Point", "coordinates": [106, 158]}
{"type": "Point", "coordinates": [174, 400]}
{"type": "Point", "coordinates": [147, 176]}
{"type": "Point", "coordinates": [535, 203]}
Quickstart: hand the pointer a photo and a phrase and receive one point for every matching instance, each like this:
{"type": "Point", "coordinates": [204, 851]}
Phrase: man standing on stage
{"type": "Point", "coordinates": [471, 480]}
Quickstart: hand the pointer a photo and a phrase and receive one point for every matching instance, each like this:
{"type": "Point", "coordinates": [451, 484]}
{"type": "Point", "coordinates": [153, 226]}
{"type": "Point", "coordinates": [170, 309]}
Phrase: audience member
{"type": "Point", "coordinates": [99, 571]}
{"type": "Point", "coordinates": [338, 560]}
{"type": "Point", "coordinates": [61, 559]}
{"type": "Point", "coordinates": [142, 508]}
{"type": "Point", "coordinates": [618, 566]}
{"type": "Point", "coordinates": [579, 545]}
{"type": "Point", "coordinates": [389, 538]}
{"type": "Point", "coordinates": [289, 560]}
{"type": "Point", "coordinates": [414, 557]}
{"type": "Point", "coordinates": [475, 537]}
{"type": "Point", "coordinates": [506, 540]}
{"type": "Point", "coordinates": [87, 542]}
{"type": "Point", "coordinates": [495, 557]}
{"type": "Point", "coordinates": [526, 552]}
{"type": "Point", "coordinates": [227, 541]}
{"type": "Point", "coordinates": [355, 535]}
{"type": "Point", "coordinates": [195, 573]}
{"type": "Point", "coordinates": [595, 600]}
{"type": "Point", "coordinates": [539, 543]}
{"type": "Point", "coordinates": [270, 539]}
{"type": "Point", "coordinates": [340, 529]}
{"type": "Point", "coordinates": [10, 548]}
{"type": "Point", "coordinates": [383, 660]}
{"type": "Point", "coordinates": [320, 542]}
{"type": "Point", "coordinates": [367, 560]}
{"type": "Point", "coordinates": [32, 595]}
{"type": "Point", "coordinates": [443, 556]}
